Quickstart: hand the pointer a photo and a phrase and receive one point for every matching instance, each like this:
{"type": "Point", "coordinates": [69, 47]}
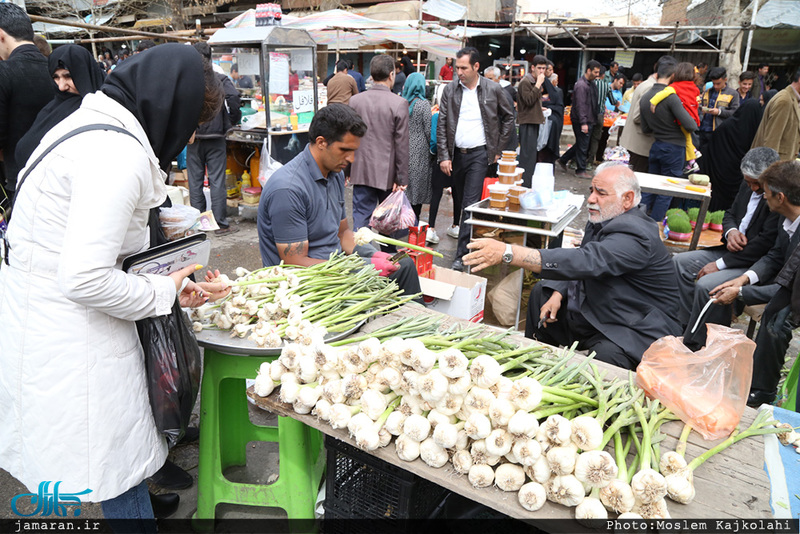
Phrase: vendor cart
{"type": "Point", "coordinates": [274, 69]}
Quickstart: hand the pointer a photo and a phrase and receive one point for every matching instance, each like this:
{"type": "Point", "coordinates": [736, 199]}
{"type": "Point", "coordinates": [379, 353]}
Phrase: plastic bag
{"type": "Point", "coordinates": [393, 214]}
{"type": "Point", "coordinates": [707, 389]}
{"type": "Point", "coordinates": [267, 166]}
{"type": "Point", "coordinates": [177, 220]}
{"type": "Point", "coordinates": [544, 134]}
{"type": "Point", "coordinates": [172, 362]}
{"type": "Point", "coordinates": [505, 298]}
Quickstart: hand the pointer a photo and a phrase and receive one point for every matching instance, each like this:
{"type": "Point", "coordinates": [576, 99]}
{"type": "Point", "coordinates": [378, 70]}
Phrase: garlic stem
{"type": "Point", "coordinates": [681, 447]}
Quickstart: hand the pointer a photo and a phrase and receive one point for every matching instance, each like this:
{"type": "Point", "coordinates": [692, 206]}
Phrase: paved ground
{"type": "Point", "coordinates": [241, 249]}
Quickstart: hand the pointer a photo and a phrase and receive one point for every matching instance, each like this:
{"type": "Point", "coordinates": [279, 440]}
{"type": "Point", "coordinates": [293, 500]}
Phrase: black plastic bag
{"type": "Point", "coordinates": [173, 365]}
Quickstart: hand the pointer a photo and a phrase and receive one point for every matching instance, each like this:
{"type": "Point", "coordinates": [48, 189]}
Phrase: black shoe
{"type": "Point", "coordinates": [172, 477]}
{"type": "Point", "coordinates": [562, 164]}
{"type": "Point", "coordinates": [164, 505]}
{"type": "Point", "coordinates": [458, 265]}
{"type": "Point", "coordinates": [191, 435]}
{"type": "Point", "coordinates": [758, 397]}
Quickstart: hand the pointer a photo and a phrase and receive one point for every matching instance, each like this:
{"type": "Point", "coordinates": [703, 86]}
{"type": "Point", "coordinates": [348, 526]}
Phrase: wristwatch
{"type": "Point", "coordinates": [740, 293]}
{"type": "Point", "coordinates": [508, 255]}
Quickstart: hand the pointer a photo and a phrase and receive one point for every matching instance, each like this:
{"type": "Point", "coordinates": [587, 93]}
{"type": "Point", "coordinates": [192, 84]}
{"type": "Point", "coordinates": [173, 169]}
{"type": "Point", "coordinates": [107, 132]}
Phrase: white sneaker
{"type": "Point", "coordinates": [431, 236]}
{"type": "Point", "coordinates": [453, 232]}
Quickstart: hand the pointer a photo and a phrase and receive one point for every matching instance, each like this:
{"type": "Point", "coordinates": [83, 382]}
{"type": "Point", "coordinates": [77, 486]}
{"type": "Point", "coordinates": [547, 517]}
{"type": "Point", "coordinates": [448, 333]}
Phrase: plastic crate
{"type": "Point", "coordinates": [359, 485]}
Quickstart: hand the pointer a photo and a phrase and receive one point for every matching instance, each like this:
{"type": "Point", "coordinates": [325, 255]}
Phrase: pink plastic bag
{"type": "Point", "coordinates": [707, 389]}
{"type": "Point", "coordinates": [393, 214]}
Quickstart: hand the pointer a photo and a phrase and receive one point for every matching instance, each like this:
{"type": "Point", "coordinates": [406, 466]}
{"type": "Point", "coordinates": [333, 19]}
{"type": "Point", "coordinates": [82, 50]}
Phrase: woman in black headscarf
{"type": "Point", "coordinates": [75, 74]}
{"type": "Point", "coordinates": [728, 145]}
{"type": "Point", "coordinates": [79, 212]}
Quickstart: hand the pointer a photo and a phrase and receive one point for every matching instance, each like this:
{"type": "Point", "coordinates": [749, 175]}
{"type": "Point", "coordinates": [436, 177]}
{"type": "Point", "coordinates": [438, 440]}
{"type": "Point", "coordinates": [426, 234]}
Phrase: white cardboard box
{"type": "Point", "coordinates": [454, 293]}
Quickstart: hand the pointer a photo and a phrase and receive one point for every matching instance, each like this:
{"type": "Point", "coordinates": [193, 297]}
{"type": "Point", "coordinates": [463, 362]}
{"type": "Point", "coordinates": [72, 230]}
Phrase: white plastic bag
{"type": "Point", "coordinates": [544, 134]}
{"type": "Point", "coordinates": [177, 220]}
{"type": "Point", "coordinates": [267, 165]}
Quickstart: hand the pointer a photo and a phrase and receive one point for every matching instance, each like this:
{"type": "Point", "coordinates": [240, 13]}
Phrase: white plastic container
{"type": "Point", "coordinates": [543, 182]}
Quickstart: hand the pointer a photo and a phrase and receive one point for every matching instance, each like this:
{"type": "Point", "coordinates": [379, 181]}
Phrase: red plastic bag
{"type": "Point", "coordinates": [707, 389]}
{"type": "Point", "coordinates": [393, 214]}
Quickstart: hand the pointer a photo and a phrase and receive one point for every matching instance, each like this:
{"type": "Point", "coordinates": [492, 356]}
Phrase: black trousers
{"type": "Point", "coordinates": [639, 163]}
{"type": "Point", "coordinates": [772, 341]}
{"type": "Point", "coordinates": [580, 150]}
{"type": "Point", "coordinates": [565, 332]}
{"type": "Point", "coordinates": [528, 139]}
{"type": "Point", "coordinates": [469, 172]}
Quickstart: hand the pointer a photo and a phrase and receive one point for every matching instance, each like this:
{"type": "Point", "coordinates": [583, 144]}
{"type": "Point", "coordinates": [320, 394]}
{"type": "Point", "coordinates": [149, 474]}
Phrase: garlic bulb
{"type": "Point", "coordinates": [540, 471]}
{"type": "Point", "coordinates": [680, 486]}
{"type": "Point", "coordinates": [352, 362]}
{"type": "Point", "coordinates": [276, 370]}
{"type": "Point", "coordinates": [436, 417]}
{"type": "Point", "coordinates": [322, 410]}
{"type": "Point", "coordinates": [308, 397]}
{"type": "Point", "coordinates": [527, 451]}
{"type": "Point", "coordinates": [394, 423]}
{"type": "Point", "coordinates": [353, 385]}
{"type": "Point", "coordinates": [595, 468]}
{"type": "Point", "coordinates": [562, 460]}
{"type": "Point", "coordinates": [432, 386]}
{"type": "Point", "coordinates": [416, 427]}
{"type": "Point", "coordinates": [389, 379]}
{"type": "Point", "coordinates": [502, 388]}
{"type": "Point", "coordinates": [384, 437]}
{"type": "Point", "coordinates": [450, 404]}
{"type": "Point", "coordinates": [526, 393]}
{"type": "Point", "coordinates": [406, 448]}
{"type": "Point", "coordinates": [479, 399]}
{"type": "Point", "coordinates": [509, 477]}
{"type": "Point", "coordinates": [340, 415]}
{"type": "Point", "coordinates": [367, 438]}
{"type": "Point", "coordinates": [445, 435]}
{"type": "Point", "coordinates": [264, 385]}
{"type": "Point", "coordinates": [369, 350]}
{"type": "Point", "coordinates": [462, 441]}
{"type": "Point", "coordinates": [373, 403]}
{"type": "Point", "coordinates": [289, 355]}
{"type": "Point", "coordinates": [289, 391]}
{"type": "Point", "coordinates": [567, 490]}
{"type": "Point", "coordinates": [671, 462]}
{"type": "Point", "coordinates": [333, 392]}
{"type": "Point", "coordinates": [648, 486]}
{"type": "Point", "coordinates": [500, 412]}
{"type": "Point", "coordinates": [556, 430]}
{"type": "Point", "coordinates": [480, 455]}
{"type": "Point", "coordinates": [462, 461]}
{"type": "Point", "coordinates": [653, 510]}
{"type": "Point", "coordinates": [523, 424]}
{"type": "Point", "coordinates": [423, 361]}
{"type": "Point", "coordinates": [587, 433]}
{"type": "Point", "coordinates": [359, 421]}
{"type": "Point", "coordinates": [498, 442]}
{"type": "Point", "coordinates": [617, 496]}
{"type": "Point", "coordinates": [589, 509]}
{"type": "Point", "coordinates": [459, 386]}
{"type": "Point", "coordinates": [532, 496]}
{"type": "Point", "coordinates": [485, 371]}
{"type": "Point", "coordinates": [432, 454]}
{"type": "Point", "coordinates": [478, 426]}
{"type": "Point", "coordinates": [453, 363]}
{"type": "Point", "coordinates": [481, 475]}
{"type": "Point", "coordinates": [301, 408]}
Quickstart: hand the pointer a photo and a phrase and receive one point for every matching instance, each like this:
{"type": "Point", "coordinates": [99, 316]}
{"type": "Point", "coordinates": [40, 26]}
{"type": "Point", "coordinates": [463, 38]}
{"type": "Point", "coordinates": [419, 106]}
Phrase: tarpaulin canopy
{"type": "Point", "coordinates": [47, 28]}
{"type": "Point", "coordinates": [445, 9]}
{"type": "Point", "coordinates": [352, 31]}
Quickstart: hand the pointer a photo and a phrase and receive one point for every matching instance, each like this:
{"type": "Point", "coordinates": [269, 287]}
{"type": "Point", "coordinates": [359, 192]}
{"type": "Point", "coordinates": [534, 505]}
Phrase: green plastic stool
{"type": "Point", "coordinates": [225, 430]}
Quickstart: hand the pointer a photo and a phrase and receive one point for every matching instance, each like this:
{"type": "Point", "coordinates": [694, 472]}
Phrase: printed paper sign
{"type": "Point", "coordinates": [303, 101]}
{"type": "Point", "coordinates": [278, 73]}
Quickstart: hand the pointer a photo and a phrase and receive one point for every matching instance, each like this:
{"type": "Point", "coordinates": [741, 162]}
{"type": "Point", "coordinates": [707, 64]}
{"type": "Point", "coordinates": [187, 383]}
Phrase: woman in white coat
{"type": "Point", "coordinates": [73, 397]}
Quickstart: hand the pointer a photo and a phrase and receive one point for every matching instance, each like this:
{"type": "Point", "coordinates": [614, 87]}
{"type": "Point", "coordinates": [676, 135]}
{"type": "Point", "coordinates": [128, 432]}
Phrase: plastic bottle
{"type": "Point", "coordinates": [294, 119]}
{"type": "Point", "coordinates": [246, 180]}
{"type": "Point", "coordinates": [270, 19]}
{"type": "Point", "coordinates": [278, 15]}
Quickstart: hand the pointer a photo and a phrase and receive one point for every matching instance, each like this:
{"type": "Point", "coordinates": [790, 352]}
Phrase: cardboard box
{"type": "Point", "coordinates": [423, 262]}
{"type": "Point", "coordinates": [456, 294]}
{"type": "Point", "coordinates": [418, 234]}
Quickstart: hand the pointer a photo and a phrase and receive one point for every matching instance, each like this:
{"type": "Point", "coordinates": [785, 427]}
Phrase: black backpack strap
{"type": "Point", "coordinates": [73, 133]}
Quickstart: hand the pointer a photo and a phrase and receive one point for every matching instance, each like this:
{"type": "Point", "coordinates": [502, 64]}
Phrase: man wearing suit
{"type": "Point", "coordinates": [749, 230]}
{"type": "Point", "coordinates": [780, 125]}
{"type": "Point", "coordinates": [781, 183]}
{"type": "Point", "coordinates": [615, 294]}
{"type": "Point", "coordinates": [381, 162]}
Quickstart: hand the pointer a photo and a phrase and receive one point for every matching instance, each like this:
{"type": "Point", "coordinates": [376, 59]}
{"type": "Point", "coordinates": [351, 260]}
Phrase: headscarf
{"type": "Point", "coordinates": [87, 77]}
{"type": "Point", "coordinates": [768, 96]}
{"type": "Point", "coordinates": [414, 89]}
{"type": "Point", "coordinates": [164, 89]}
{"type": "Point", "coordinates": [408, 67]}
{"type": "Point", "coordinates": [726, 148]}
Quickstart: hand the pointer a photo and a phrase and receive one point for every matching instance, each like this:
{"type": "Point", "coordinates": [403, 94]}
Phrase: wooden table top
{"type": "Point", "coordinates": [732, 484]}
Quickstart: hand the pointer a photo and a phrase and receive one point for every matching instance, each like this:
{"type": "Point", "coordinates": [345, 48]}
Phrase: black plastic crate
{"type": "Point", "coordinates": [359, 485]}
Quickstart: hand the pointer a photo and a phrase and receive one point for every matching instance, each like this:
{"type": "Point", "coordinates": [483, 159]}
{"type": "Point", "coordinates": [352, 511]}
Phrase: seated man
{"type": "Point", "coordinates": [749, 230]}
{"type": "Point", "coordinates": [781, 183]}
{"type": "Point", "coordinates": [301, 215]}
{"type": "Point", "coordinates": [615, 294]}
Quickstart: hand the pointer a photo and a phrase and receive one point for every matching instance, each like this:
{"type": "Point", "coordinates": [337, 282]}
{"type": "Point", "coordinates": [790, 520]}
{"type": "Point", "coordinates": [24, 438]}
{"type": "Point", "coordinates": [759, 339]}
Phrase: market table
{"type": "Point", "coordinates": [658, 185]}
{"type": "Point", "coordinates": [550, 223]}
{"type": "Point", "coordinates": [732, 484]}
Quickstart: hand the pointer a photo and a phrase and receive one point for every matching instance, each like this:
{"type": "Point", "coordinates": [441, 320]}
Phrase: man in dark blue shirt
{"type": "Point", "coordinates": [302, 217]}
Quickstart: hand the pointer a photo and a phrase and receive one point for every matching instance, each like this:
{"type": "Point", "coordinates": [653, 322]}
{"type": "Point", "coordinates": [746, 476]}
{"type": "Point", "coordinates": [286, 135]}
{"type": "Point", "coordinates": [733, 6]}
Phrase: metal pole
{"type": "Point", "coordinates": [513, 33]}
{"type": "Point", "coordinates": [91, 34]}
{"type": "Point", "coordinates": [750, 35]}
{"type": "Point", "coordinates": [419, 38]}
{"type": "Point", "coordinates": [337, 48]}
{"type": "Point", "coordinates": [110, 29]}
{"type": "Point", "coordinates": [466, 17]}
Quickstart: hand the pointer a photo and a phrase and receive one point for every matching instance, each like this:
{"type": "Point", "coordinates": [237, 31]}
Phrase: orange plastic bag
{"type": "Point", "coordinates": [707, 389]}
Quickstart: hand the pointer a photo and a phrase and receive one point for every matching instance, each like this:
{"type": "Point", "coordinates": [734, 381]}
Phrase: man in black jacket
{"type": "Point", "coordinates": [615, 294]}
{"type": "Point", "coordinates": [208, 152]}
{"type": "Point", "coordinates": [475, 122]}
{"type": "Point", "coordinates": [583, 113]}
{"type": "Point", "coordinates": [781, 183]}
{"type": "Point", "coordinates": [25, 86]}
{"type": "Point", "coordinates": [749, 231]}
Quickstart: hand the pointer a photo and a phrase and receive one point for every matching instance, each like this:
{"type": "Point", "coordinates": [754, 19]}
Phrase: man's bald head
{"type": "Point", "coordinates": [614, 191]}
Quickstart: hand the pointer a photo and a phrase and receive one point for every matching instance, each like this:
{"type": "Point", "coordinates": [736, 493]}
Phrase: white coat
{"type": "Point", "coordinates": [73, 398]}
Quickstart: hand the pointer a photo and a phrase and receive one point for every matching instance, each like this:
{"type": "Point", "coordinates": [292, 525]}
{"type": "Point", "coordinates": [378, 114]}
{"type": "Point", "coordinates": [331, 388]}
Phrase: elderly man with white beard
{"type": "Point", "coordinates": [615, 294]}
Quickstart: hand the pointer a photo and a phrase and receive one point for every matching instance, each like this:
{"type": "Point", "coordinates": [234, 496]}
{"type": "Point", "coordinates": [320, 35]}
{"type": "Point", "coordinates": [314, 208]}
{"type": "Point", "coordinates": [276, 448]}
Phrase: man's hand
{"type": "Point", "coordinates": [485, 253]}
{"type": "Point", "coordinates": [652, 108]}
{"type": "Point", "coordinates": [540, 79]}
{"type": "Point", "coordinates": [446, 166]}
{"type": "Point", "coordinates": [550, 309]}
{"type": "Point", "coordinates": [380, 260]}
{"type": "Point", "coordinates": [585, 128]}
{"type": "Point", "coordinates": [497, 157]}
{"type": "Point", "coordinates": [727, 292]}
{"type": "Point", "coordinates": [708, 268]}
{"type": "Point", "coordinates": [736, 240]}
{"type": "Point", "coordinates": [398, 187]}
